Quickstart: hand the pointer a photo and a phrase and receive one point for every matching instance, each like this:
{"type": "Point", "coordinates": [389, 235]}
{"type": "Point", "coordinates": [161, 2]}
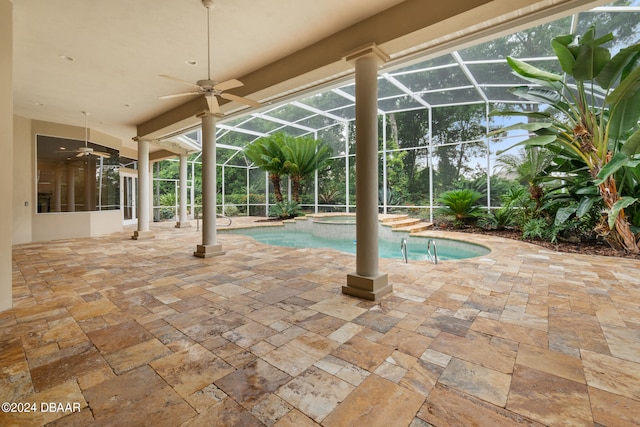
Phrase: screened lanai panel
{"type": "Point", "coordinates": [289, 112]}
{"type": "Point", "coordinates": [347, 113]}
{"type": "Point", "coordinates": [461, 96]}
{"type": "Point", "coordinates": [258, 124]}
{"type": "Point", "coordinates": [225, 155]}
{"type": "Point", "coordinates": [234, 138]}
{"type": "Point", "coordinates": [318, 122]}
{"type": "Point", "coordinates": [440, 61]}
{"type": "Point", "coordinates": [387, 90]}
{"type": "Point", "coordinates": [350, 89]}
{"type": "Point", "coordinates": [498, 94]}
{"type": "Point", "coordinates": [236, 122]}
{"type": "Point", "coordinates": [236, 159]}
{"type": "Point", "coordinates": [257, 192]}
{"type": "Point", "coordinates": [534, 42]}
{"type": "Point", "coordinates": [326, 101]}
{"type": "Point", "coordinates": [494, 73]}
{"type": "Point", "coordinates": [295, 131]}
{"type": "Point", "coordinates": [334, 137]}
{"type": "Point", "coordinates": [440, 78]}
{"type": "Point", "coordinates": [401, 103]}
{"type": "Point", "coordinates": [624, 26]}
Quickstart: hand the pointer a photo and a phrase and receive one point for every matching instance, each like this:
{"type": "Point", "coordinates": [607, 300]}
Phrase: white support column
{"type": "Point", "coordinates": [183, 218]}
{"type": "Point", "coordinates": [367, 282]}
{"type": "Point", "coordinates": [144, 192]}
{"type": "Point", "coordinates": [209, 246]}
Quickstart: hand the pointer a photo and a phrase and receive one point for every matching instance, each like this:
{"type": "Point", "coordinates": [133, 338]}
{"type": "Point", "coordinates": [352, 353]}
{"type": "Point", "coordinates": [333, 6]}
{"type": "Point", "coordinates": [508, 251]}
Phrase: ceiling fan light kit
{"type": "Point", "coordinates": [208, 87]}
{"type": "Point", "coordinates": [86, 150]}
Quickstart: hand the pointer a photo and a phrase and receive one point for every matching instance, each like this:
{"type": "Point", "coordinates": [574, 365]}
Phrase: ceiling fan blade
{"type": "Point", "coordinates": [247, 101]}
{"type": "Point", "coordinates": [101, 154]}
{"type": "Point", "coordinates": [177, 80]}
{"type": "Point", "coordinates": [229, 84]}
{"type": "Point", "coordinates": [214, 107]}
{"type": "Point", "coordinates": [80, 154]}
{"type": "Point", "coordinates": [177, 95]}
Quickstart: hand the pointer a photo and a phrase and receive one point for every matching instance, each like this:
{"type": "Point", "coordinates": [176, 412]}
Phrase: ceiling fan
{"type": "Point", "coordinates": [207, 87]}
{"type": "Point", "coordinates": [86, 150]}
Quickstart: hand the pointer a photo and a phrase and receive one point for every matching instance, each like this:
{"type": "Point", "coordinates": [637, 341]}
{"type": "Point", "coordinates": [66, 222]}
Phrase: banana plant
{"type": "Point", "coordinates": [592, 123]}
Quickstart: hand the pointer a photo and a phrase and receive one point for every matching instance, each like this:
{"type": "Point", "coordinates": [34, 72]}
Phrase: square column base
{"type": "Point", "coordinates": [207, 251]}
{"type": "Point", "coordinates": [186, 224]}
{"type": "Point", "coordinates": [142, 235]}
{"type": "Point", "coordinates": [369, 288]}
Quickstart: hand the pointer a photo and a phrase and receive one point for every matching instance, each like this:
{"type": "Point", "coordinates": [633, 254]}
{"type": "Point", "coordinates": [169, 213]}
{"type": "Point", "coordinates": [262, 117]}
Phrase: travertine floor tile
{"type": "Point", "coordinates": [377, 402]}
{"type": "Point", "coordinates": [448, 407]}
{"type": "Point", "coordinates": [191, 369]}
{"type": "Point", "coordinates": [549, 399]}
{"type": "Point", "coordinates": [363, 353]}
{"type": "Point", "coordinates": [611, 374]}
{"type": "Point", "coordinates": [315, 393]}
{"type": "Point", "coordinates": [612, 409]}
{"type": "Point", "coordinates": [252, 383]}
{"type": "Point", "coordinates": [147, 334]}
{"type": "Point", "coordinates": [481, 382]}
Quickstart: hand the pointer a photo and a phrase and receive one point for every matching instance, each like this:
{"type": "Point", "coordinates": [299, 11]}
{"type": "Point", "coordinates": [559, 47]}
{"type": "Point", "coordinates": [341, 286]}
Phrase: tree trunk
{"type": "Point", "coordinates": [275, 180]}
{"type": "Point", "coordinates": [621, 233]}
{"type": "Point", "coordinates": [295, 188]}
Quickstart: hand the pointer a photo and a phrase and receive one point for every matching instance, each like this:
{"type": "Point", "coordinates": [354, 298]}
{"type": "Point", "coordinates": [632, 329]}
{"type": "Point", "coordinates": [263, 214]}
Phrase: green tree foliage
{"type": "Point", "coordinates": [280, 154]}
{"type": "Point", "coordinates": [303, 157]}
{"type": "Point", "coordinates": [267, 154]}
{"type": "Point", "coordinates": [457, 133]}
{"type": "Point", "coordinates": [593, 127]}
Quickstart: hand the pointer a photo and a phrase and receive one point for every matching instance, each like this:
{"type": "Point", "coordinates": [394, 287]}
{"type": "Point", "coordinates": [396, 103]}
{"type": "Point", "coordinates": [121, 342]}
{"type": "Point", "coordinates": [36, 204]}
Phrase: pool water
{"type": "Point", "coordinates": [417, 246]}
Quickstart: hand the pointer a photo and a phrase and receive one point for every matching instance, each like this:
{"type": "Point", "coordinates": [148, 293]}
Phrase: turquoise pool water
{"type": "Point", "coordinates": [417, 246]}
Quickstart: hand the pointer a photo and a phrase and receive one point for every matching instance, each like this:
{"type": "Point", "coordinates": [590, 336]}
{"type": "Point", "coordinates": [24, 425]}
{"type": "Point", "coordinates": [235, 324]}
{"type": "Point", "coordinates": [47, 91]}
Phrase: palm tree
{"type": "Point", "coordinates": [303, 157]}
{"type": "Point", "coordinates": [266, 153]}
{"type": "Point", "coordinates": [527, 166]}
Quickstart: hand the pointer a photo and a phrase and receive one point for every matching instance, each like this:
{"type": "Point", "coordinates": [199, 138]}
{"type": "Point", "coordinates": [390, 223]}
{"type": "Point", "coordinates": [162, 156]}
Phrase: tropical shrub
{"type": "Point", "coordinates": [285, 210]}
{"type": "Point", "coordinates": [535, 228]}
{"type": "Point", "coordinates": [591, 127]}
{"type": "Point", "coordinates": [167, 209]}
{"type": "Point", "coordinates": [461, 205]}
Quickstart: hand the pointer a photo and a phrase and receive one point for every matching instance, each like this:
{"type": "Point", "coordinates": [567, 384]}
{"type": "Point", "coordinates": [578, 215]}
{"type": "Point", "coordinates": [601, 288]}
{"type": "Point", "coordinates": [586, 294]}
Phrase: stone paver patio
{"type": "Point", "coordinates": [117, 332]}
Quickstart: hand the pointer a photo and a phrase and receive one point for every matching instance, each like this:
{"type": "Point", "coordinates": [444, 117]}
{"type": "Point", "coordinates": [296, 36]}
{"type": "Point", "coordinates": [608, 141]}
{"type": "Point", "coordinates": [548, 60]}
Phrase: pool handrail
{"type": "Point", "coordinates": [404, 250]}
{"type": "Point", "coordinates": [433, 257]}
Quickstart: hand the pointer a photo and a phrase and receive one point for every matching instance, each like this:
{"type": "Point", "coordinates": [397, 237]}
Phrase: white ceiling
{"type": "Point", "coordinates": [120, 47]}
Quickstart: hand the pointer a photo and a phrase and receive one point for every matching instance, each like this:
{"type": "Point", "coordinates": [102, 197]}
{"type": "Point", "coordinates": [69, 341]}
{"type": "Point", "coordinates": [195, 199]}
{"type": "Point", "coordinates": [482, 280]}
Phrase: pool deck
{"type": "Point", "coordinates": [144, 333]}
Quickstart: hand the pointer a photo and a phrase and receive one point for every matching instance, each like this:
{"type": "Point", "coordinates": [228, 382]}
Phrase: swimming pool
{"type": "Point", "coordinates": [342, 238]}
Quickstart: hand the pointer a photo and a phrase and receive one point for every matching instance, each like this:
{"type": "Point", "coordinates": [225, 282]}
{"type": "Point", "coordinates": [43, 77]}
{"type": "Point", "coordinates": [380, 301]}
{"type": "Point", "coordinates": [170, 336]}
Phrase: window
{"type": "Point", "coordinates": [74, 176]}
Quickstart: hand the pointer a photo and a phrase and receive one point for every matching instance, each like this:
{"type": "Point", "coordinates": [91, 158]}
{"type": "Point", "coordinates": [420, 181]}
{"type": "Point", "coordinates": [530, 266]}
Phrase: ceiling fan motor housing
{"type": "Point", "coordinates": [207, 86]}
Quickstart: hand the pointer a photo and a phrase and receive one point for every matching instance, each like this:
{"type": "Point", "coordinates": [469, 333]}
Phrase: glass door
{"type": "Point", "coordinates": [129, 197]}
